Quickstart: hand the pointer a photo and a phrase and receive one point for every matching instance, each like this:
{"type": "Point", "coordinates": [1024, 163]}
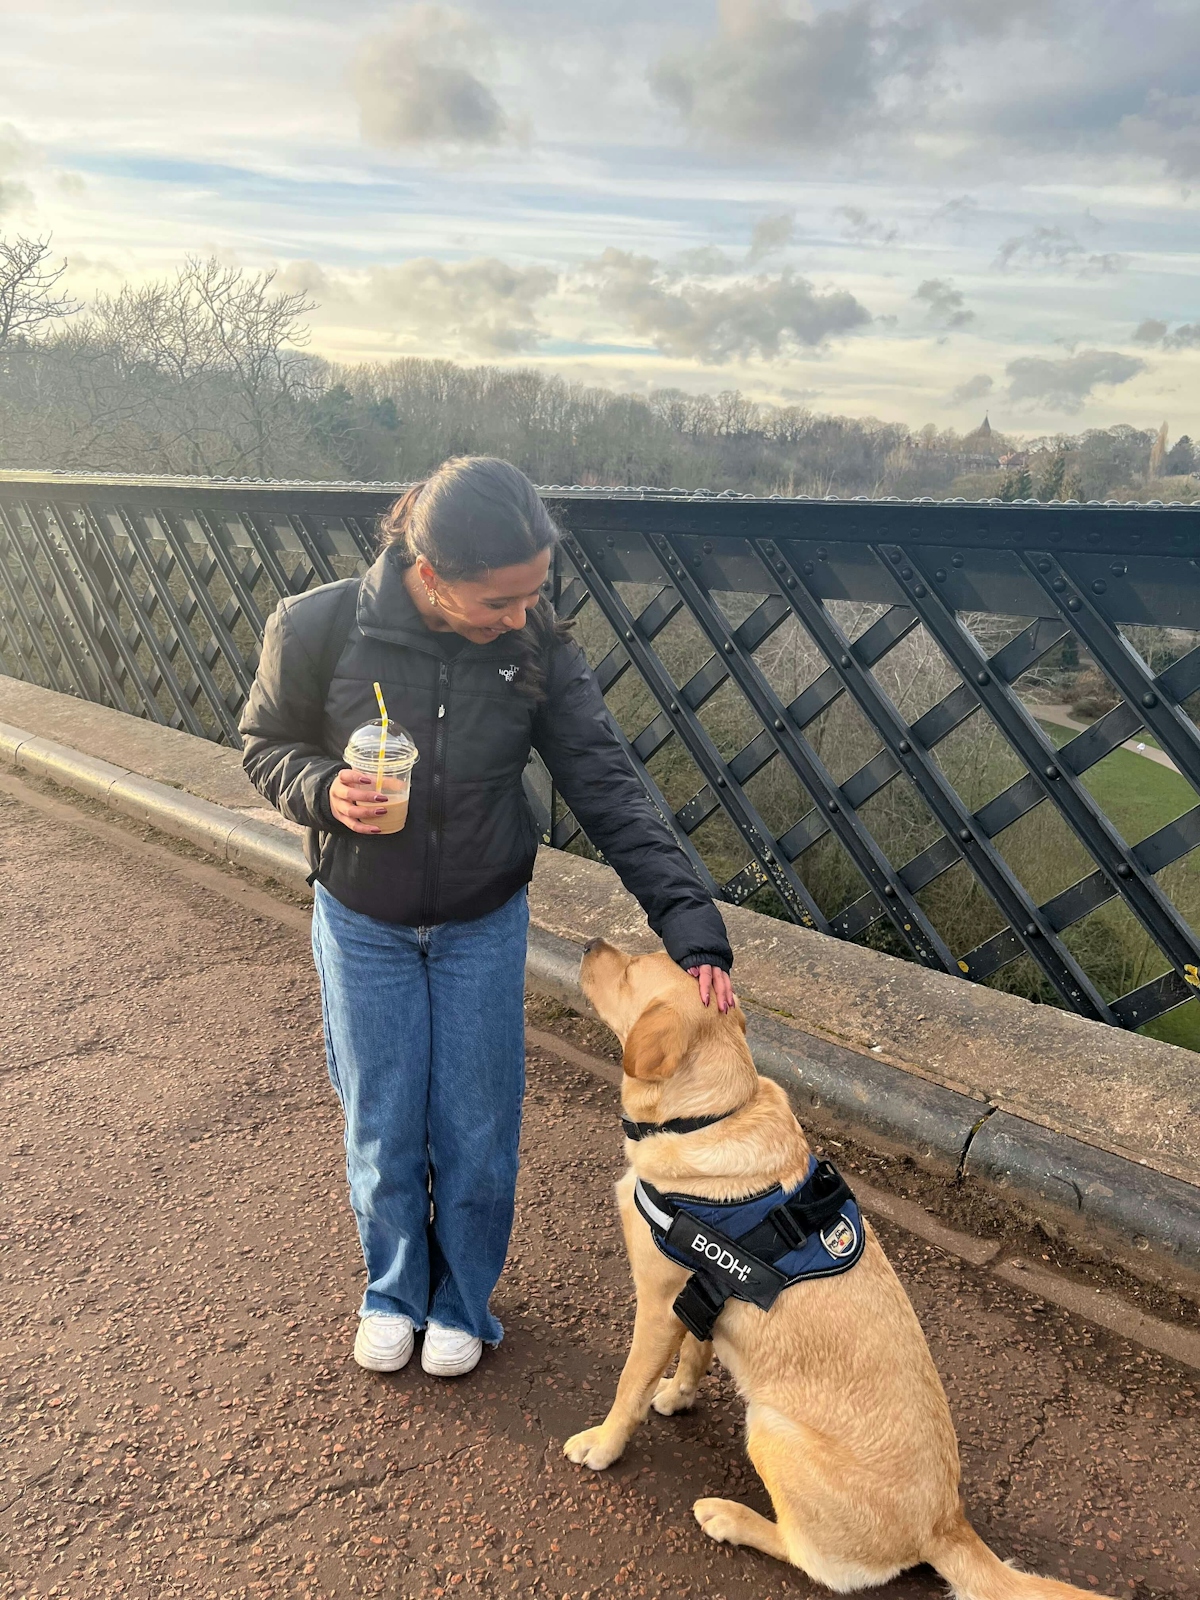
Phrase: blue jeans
{"type": "Point", "coordinates": [425, 1037]}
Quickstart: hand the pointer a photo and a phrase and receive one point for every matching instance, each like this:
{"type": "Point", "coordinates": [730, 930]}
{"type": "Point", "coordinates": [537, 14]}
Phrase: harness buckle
{"type": "Point", "coordinates": [786, 1226]}
{"type": "Point", "coordinates": [698, 1305]}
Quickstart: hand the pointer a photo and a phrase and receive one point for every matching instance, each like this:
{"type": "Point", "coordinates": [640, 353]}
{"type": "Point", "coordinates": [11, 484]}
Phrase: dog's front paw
{"type": "Point", "coordinates": [593, 1448]}
{"type": "Point", "coordinates": [718, 1519]}
{"type": "Point", "coordinates": [673, 1396]}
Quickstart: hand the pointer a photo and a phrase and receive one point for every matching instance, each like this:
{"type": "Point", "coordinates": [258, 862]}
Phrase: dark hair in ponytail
{"type": "Point", "coordinates": [474, 515]}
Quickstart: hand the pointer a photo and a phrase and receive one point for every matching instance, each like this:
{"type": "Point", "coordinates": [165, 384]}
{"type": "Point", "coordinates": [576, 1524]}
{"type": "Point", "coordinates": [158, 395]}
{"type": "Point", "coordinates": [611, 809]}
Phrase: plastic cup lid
{"type": "Point", "coordinates": [399, 751]}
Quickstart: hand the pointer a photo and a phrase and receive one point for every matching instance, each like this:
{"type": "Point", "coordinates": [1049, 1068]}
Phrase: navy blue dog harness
{"type": "Point", "coordinates": [753, 1249]}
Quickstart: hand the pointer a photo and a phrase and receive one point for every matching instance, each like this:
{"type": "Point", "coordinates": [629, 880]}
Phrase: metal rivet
{"type": "Point", "coordinates": [778, 724]}
{"type": "Point", "coordinates": [833, 805]}
{"type": "Point", "coordinates": [889, 891]}
{"type": "Point", "coordinates": [628, 635]}
{"type": "Point", "coordinates": [940, 574]}
{"type": "Point", "coordinates": [904, 747]}
{"type": "Point", "coordinates": [919, 591]}
{"type": "Point", "coordinates": [707, 548]}
{"type": "Point", "coordinates": [895, 555]}
{"type": "Point", "coordinates": [1149, 699]}
{"type": "Point", "coordinates": [1073, 604]}
{"type": "Point", "coordinates": [808, 569]}
{"type": "Point", "coordinates": [1043, 566]}
{"type": "Point", "coordinates": [721, 784]}
{"type": "Point", "coordinates": [965, 835]}
{"type": "Point", "coordinates": [956, 561]}
{"type": "Point", "coordinates": [906, 573]}
{"type": "Point", "coordinates": [728, 648]}
{"type": "Point", "coordinates": [791, 583]}
{"type": "Point", "coordinates": [697, 561]}
{"type": "Point", "coordinates": [1059, 585]}
{"type": "Point", "coordinates": [846, 661]}
{"type": "Point", "coordinates": [1118, 569]}
{"type": "Point", "coordinates": [983, 677]}
{"type": "Point", "coordinates": [674, 707]}
{"type": "Point", "coordinates": [822, 553]}
{"type": "Point", "coordinates": [1052, 772]}
{"type": "Point", "coordinates": [1099, 586]}
{"type": "Point", "coordinates": [1031, 929]}
{"type": "Point", "coordinates": [769, 548]}
{"type": "Point", "coordinates": [1124, 870]}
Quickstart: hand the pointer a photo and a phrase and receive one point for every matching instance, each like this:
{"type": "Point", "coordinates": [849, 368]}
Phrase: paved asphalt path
{"type": "Point", "coordinates": [179, 1277]}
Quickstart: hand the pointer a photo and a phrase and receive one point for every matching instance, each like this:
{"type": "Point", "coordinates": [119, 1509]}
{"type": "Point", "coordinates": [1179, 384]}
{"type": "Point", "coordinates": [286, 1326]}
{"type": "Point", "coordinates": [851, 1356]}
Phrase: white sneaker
{"type": "Point", "coordinates": [384, 1342]}
{"type": "Point", "coordinates": [449, 1352]}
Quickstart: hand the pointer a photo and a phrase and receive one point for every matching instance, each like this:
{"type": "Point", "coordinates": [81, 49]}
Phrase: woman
{"type": "Point", "coordinates": [419, 936]}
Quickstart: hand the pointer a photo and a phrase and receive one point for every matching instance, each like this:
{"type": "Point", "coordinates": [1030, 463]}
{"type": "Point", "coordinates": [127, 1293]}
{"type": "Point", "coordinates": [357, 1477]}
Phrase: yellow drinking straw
{"type": "Point", "coordinates": [382, 740]}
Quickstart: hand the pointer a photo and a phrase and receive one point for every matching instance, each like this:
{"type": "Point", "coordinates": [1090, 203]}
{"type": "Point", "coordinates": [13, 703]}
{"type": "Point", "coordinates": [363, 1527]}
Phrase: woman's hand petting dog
{"type": "Point", "coordinates": [714, 981]}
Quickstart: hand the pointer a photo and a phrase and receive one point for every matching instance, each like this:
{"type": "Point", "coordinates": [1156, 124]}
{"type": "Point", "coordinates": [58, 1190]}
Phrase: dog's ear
{"type": "Point", "coordinates": [658, 1042]}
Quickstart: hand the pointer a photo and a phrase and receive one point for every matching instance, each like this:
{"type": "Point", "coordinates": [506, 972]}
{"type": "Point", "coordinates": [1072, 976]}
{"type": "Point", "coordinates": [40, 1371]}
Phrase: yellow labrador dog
{"type": "Point", "coordinates": [846, 1421]}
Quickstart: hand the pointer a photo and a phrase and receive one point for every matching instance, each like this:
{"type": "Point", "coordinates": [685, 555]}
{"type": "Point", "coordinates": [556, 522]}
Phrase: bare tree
{"type": "Point", "coordinates": [215, 359]}
{"type": "Point", "coordinates": [29, 297]}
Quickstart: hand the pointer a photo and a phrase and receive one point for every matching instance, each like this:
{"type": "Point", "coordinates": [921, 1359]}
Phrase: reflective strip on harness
{"type": "Point", "coordinates": [753, 1249]}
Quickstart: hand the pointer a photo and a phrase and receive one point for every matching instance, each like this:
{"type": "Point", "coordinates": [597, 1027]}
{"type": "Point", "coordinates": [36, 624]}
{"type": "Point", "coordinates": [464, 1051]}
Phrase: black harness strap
{"type": "Point", "coordinates": [790, 1224]}
{"type": "Point", "coordinates": [647, 1130]}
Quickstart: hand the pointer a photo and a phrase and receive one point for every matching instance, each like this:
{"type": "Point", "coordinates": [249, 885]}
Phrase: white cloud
{"type": "Point", "coordinates": [419, 83]}
{"type": "Point", "coordinates": [1055, 247]}
{"type": "Point", "coordinates": [1064, 384]}
{"type": "Point", "coordinates": [483, 306]}
{"type": "Point", "coordinates": [762, 316]}
{"type": "Point", "coordinates": [1185, 337]}
{"type": "Point", "coordinates": [975, 388]}
{"type": "Point", "coordinates": [945, 307]}
{"type": "Point", "coordinates": [771, 234]}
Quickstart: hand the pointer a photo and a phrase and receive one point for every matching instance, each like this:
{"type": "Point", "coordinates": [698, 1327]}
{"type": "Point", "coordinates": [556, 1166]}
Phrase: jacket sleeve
{"type": "Point", "coordinates": [575, 737]}
{"type": "Point", "coordinates": [281, 728]}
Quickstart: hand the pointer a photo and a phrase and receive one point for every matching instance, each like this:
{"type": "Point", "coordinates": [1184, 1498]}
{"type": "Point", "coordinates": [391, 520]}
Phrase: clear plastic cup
{"type": "Point", "coordinates": [393, 776]}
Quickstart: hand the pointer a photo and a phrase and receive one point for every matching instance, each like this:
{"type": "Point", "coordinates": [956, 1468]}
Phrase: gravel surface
{"type": "Point", "coordinates": [179, 1276]}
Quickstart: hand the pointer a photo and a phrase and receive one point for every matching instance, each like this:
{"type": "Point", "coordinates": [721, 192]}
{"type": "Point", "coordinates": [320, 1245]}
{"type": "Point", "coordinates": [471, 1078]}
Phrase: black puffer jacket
{"type": "Point", "coordinates": [470, 840]}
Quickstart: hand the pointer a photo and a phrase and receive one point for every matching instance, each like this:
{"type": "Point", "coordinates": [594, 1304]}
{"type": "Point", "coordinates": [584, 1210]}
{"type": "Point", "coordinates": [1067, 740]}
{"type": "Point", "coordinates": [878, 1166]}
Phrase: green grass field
{"type": "Point", "coordinates": [1138, 796]}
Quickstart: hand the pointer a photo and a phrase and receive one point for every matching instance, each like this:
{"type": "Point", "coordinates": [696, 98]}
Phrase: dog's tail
{"type": "Point", "coordinates": [975, 1573]}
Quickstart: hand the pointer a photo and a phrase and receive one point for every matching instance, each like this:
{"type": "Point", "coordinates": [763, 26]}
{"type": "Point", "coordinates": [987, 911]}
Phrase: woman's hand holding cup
{"type": "Point", "coordinates": [355, 801]}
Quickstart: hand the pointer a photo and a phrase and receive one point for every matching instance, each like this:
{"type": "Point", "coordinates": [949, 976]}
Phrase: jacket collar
{"type": "Point", "coordinates": [386, 611]}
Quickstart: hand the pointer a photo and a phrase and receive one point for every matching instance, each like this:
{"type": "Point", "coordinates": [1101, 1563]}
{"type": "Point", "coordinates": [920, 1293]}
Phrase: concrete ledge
{"type": "Point", "coordinates": [83, 773]}
{"type": "Point", "coordinates": [1131, 1212]}
{"type": "Point", "coordinates": [1111, 1199]}
{"type": "Point", "coordinates": [834, 1087]}
{"type": "Point", "coordinates": [258, 846]}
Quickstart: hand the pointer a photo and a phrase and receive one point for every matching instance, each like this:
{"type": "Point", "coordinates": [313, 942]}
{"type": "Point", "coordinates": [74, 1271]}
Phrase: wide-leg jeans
{"type": "Point", "coordinates": [425, 1039]}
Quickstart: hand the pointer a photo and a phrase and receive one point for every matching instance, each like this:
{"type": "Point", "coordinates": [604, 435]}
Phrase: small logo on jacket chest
{"type": "Point", "coordinates": [508, 673]}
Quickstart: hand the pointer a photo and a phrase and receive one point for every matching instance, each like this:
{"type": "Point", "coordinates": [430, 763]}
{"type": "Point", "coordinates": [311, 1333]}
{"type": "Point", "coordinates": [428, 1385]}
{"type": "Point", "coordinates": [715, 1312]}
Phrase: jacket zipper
{"type": "Point", "coordinates": [437, 787]}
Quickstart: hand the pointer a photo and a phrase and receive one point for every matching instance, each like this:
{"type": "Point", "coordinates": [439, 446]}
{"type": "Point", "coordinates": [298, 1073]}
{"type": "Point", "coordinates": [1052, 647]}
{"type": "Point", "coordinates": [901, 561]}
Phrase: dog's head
{"type": "Point", "coordinates": [653, 1007]}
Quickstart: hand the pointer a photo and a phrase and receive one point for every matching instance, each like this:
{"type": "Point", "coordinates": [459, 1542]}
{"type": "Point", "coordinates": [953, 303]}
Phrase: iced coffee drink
{"type": "Point", "coordinates": [386, 755]}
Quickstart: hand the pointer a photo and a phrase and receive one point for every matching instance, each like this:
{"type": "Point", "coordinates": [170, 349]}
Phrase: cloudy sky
{"type": "Point", "coordinates": [916, 209]}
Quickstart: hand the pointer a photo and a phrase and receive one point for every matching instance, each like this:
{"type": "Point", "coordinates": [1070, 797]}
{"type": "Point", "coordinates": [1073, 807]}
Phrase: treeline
{"type": "Point", "coordinates": [206, 372]}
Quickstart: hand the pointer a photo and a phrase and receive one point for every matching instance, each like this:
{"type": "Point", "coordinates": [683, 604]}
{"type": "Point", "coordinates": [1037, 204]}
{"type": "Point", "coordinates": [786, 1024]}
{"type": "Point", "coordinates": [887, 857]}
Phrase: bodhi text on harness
{"type": "Point", "coordinates": [753, 1249]}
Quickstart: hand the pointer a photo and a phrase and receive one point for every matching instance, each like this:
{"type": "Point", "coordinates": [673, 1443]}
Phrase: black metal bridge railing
{"type": "Point", "coordinates": [151, 596]}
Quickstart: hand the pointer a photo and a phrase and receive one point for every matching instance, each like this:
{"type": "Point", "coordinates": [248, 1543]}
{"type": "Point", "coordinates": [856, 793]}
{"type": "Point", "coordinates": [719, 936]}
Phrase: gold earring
{"type": "Point", "coordinates": [432, 593]}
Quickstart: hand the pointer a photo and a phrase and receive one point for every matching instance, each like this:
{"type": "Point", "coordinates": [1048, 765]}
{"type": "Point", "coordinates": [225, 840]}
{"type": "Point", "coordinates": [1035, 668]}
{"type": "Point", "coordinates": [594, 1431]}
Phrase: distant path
{"type": "Point", "coordinates": [178, 1284]}
{"type": "Point", "coordinates": [1061, 716]}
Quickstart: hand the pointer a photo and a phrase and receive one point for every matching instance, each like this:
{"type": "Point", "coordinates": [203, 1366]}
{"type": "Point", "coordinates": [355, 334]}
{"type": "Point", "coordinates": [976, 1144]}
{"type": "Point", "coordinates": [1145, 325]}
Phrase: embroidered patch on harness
{"type": "Point", "coordinates": [508, 673]}
{"type": "Point", "coordinates": [840, 1238]}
